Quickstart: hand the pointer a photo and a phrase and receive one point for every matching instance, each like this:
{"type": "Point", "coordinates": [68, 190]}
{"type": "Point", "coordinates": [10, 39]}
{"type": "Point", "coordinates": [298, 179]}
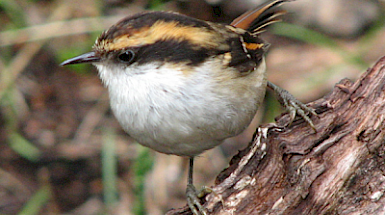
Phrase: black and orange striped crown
{"type": "Point", "coordinates": [172, 37]}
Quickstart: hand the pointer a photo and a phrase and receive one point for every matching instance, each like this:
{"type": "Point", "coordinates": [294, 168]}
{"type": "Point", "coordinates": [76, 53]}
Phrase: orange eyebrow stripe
{"type": "Point", "coordinates": [253, 46]}
{"type": "Point", "coordinates": [163, 31]}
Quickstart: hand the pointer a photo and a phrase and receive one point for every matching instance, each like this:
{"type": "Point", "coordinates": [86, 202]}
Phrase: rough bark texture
{"type": "Point", "coordinates": [293, 170]}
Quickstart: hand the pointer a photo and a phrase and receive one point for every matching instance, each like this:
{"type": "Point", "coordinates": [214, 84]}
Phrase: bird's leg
{"type": "Point", "coordinates": [192, 194]}
{"type": "Point", "coordinates": [292, 105]}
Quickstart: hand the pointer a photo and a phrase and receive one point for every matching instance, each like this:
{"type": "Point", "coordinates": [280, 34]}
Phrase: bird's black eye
{"type": "Point", "coordinates": [126, 56]}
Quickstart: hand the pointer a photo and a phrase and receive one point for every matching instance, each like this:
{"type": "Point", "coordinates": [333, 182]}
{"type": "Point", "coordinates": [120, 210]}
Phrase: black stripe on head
{"type": "Point", "coordinates": [172, 51]}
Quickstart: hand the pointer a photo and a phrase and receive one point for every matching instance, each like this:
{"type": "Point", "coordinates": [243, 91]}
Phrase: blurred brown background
{"type": "Point", "coordinates": [62, 151]}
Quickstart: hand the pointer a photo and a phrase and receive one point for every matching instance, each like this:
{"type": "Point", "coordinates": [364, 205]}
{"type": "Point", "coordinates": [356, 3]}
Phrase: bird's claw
{"type": "Point", "coordinates": [294, 107]}
{"type": "Point", "coordinates": [193, 200]}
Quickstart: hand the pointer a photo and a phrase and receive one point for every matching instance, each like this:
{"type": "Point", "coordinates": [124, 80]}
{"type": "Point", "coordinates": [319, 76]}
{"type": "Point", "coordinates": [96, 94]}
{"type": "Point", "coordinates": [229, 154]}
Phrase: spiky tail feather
{"type": "Point", "coordinates": [256, 20]}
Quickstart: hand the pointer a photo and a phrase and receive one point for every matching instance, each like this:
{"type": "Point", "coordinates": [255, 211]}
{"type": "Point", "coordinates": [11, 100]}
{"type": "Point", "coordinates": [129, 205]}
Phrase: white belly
{"type": "Point", "coordinates": [183, 113]}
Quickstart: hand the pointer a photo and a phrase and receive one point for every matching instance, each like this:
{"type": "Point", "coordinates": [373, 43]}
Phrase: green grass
{"type": "Point", "coordinates": [143, 164]}
{"type": "Point", "coordinates": [23, 147]}
{"type": "Point", "coordinates": [109, 169]}
{"type": "Point", "coordinates": [15, 140]}
{"type": "Point", "coordinates": [14, 13]}
{"type": "Point", "coordinates": [37, 201]}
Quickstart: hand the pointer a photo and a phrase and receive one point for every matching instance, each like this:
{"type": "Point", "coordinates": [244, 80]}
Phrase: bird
{"type": "Point", "coordinates": [180, 85]}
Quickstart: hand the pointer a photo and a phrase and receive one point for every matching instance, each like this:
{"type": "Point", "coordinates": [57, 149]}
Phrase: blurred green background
{"type": "Point", "coordinates": [62, 151]}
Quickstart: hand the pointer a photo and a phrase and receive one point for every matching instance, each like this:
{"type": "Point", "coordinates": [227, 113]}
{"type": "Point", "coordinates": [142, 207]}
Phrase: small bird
{"type": "Point", "coordinates": [180, 85]}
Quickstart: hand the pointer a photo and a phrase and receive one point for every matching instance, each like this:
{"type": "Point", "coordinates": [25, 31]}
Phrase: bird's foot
{"type": "Point", "coordinates": [193, 199]}
{"type": "Point", "coordinates": [293, 106]}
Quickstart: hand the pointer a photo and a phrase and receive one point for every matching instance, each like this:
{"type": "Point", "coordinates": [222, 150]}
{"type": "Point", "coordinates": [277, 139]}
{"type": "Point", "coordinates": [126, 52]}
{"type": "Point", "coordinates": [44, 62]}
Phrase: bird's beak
{"type": "Point", "coordinates": [90, 57]}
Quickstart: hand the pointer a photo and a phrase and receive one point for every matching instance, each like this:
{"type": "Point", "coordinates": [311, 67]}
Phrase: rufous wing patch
{"type": "Point", "coordinates": [254, 46]}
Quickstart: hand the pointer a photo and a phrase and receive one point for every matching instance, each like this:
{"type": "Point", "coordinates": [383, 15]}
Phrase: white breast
{"type": "Point", "coordinates": [184, 113]}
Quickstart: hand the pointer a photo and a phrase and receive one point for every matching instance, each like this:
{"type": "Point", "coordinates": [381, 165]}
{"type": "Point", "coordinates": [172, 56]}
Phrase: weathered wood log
{"type": "Point", "coordinates": [293, 170]}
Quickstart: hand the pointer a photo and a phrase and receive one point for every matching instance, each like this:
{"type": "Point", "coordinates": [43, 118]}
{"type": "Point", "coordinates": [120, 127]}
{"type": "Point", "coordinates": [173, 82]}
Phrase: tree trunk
{"type": "Point", "coordinates": [293, 170]}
